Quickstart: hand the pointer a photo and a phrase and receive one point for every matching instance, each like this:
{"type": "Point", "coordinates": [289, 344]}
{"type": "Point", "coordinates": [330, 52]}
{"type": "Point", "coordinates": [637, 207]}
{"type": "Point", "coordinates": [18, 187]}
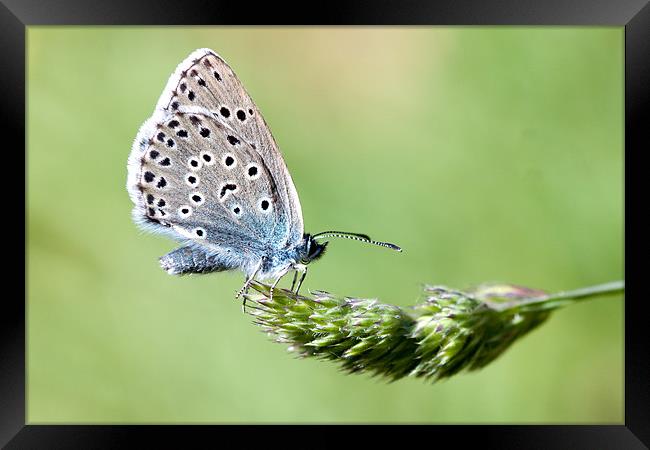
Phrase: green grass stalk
{"type": "Point", "coordinates": [447, 332]}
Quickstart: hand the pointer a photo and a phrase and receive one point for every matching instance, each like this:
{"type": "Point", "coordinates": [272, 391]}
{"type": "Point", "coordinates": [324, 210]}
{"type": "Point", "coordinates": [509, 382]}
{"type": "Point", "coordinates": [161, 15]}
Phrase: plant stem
{"type": "Point", "coordinates": [556, 300]}
{"type": "Point", "coordinates": [448, 332]}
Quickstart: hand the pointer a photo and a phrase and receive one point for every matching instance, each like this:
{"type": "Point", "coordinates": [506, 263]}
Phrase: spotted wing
{"type": "Point", "coordinates": [205, 80]}
{"type": "Point", "coordinates": [195, 178]}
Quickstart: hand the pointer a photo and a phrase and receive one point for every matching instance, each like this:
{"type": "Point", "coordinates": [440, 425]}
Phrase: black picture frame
{"type": "Point", "coordinates": [634, 15]}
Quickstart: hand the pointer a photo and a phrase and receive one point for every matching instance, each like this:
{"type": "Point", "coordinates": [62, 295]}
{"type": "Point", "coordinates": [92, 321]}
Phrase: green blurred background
{"type": "Point", "coordinates": [489, 154]}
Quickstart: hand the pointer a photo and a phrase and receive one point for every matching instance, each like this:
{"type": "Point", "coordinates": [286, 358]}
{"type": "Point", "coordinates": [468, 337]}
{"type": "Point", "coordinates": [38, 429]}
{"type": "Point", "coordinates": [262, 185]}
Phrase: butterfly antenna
{"type": "Point", "coordinates": [356, 237]}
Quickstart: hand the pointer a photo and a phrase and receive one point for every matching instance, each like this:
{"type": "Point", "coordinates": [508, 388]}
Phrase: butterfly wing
{"type": "Point", "coordinates": [196, 179]}
{"type": "Point", "coordinates": [205, 80]}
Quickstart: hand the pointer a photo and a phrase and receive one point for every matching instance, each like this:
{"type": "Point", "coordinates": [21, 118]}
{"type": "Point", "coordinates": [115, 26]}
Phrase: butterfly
{"type": "Point", "coordinates": [205, 170]}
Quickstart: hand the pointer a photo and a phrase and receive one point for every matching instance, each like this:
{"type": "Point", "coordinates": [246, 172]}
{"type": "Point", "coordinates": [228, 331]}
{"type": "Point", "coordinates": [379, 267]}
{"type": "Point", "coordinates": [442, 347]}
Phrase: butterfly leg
{"type": "Point", "coordinates": [247, 283]}
{"type": "Point", "coordinates": [302, 278]}
{"type": "Point", "coordinates": [295, 278]}
{"type": "Point", "coordinates": [275, 283]}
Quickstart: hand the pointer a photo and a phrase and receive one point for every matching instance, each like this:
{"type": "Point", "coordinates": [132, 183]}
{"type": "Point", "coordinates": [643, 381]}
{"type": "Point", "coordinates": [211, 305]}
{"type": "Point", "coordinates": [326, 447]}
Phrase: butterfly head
{"type": "Point", "coordinates": [311, 249]}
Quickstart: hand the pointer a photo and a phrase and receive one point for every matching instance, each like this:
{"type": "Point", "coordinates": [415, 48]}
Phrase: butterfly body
{"type": "Point", "coordinates": [272, 263]}
{"type": "Point", "coordinates": [205, 170]}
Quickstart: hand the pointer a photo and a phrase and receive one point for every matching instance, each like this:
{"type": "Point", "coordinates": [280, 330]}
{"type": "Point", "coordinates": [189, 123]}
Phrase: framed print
{"type": "Point", "coordinates": [257, 224]}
